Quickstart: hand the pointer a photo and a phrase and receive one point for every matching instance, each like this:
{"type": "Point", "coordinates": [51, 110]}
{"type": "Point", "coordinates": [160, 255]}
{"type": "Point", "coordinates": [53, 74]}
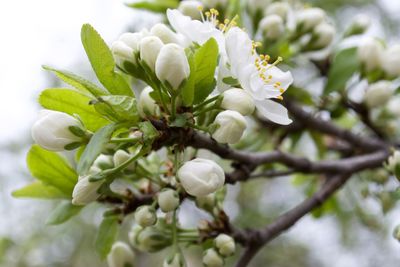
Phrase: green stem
{"type": "Point", "coordinates": [212, 99]}
{"type": "Point", "coordinates": [124, 140]}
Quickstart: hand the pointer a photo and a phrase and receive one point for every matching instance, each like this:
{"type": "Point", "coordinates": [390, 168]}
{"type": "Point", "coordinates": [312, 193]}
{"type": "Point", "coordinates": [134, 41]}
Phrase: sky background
{"type": "Point", "coordinates": [47, 32]}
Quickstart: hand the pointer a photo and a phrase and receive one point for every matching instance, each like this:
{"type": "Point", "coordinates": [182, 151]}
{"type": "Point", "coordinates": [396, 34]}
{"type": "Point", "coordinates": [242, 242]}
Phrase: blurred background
{"type": "Point", "coordinates": [47, 32]}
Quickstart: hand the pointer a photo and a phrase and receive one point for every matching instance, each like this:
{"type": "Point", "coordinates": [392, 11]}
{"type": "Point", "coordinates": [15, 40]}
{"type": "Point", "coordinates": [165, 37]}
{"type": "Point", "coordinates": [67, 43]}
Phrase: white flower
{"type": "Point", "coordinates": [176, 261]}
{"type": "Point", "coordinates": [146, 104]}
{"type": "Point", "coordinates": [359, 24]}
{"type": "Point", "coordinates": [212, 259]}
{"type": "Point", "coordinates": [120, 255]}
{"type": "Point", "coordinates": [145, 216]}
{"type": "Point", "coordinates": [191, 8]}
{"type": "Point", "coordinates": [231, 124]}
{"type": "Point", "coordinates": [172, 65]}
{"type": "Point", "coordinates": [120, 156]}
{"type": "Point", "coordinates": [309, 18]}
{"type": "Point", "coordinates": [238, 100]}
{"type": "Point", "coordinates": [168, 200]}
{"type": "Point", "coordinates": [260, 79]}
{"type": "Point", "coordinates": [394, 160]}
{"type": "Point", "coordinates": [278, 8]}
{"type": "Point", "coordinates": [200, 177]}
{"type": "Point", "coordinates": [125, 48]}
{"type": "Point", "coordinates": [272, 26]}
{"type": "Point", "coordinates": [166, 35]}
{"type": "Point", "coordinates": [150, 46]}
{"type": "Point", "coordinates": [85, 191]}
{"type": "Point", "coordinates": [370, 53]}
{"type": "Point", "coordinates": [225, 244]}
{"type": "Point", "coordinates": [394, 106]}
{"type": "Point", "coordinates": [51, 130]}
{"type": "Point", "coordinates": [196, 31]}
{"type": "Point", "coordinates": [378, 94]}
{"type": "Point", "coordinates": [324, 35]}
{"type": "Point", "coordinates": [391, 62]}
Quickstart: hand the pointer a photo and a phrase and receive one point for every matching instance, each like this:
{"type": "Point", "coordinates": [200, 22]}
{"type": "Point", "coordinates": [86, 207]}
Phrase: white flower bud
{"type": "Point", "coordinates": [51, 130]}
{"type": "Point", "coordinates": [168, 200]}
{"type": "Point", "coordinates": [85, 191]}
{"type": "Point", "coordinates": [150, 46]}
{"type": "Point", "coordinates": [172, 65]}
{"type": "Point", "coordinates": [359, 25]}
{"type": "Point", "coordinates": [103, 162]}
{"type": "Point", "coordinates": [120, 255]}
{"type": "Point", "coordinates": [394, 106]}
{"type": "Point", "coordinates": [176, 261]}
{"type": "Point", "coordinates": [378, 94]}
{"type": "Point", "coordinates": [370, 53]}
{"type": "Point", "coordinates": [225, 244]}
{"type": "Point", "coordinates": [200, 177]}
{"type": "Point", "coordinates": [325, 34]}
{"type": "Point", "coordinates": [272, 27]}
{"type": "Point", "coordinates": [145, 216]}
{"type": "Point", "coordinates": [147, 106]}
{"type": "Point", "coordinates": [190, 8]}
{"type": "Point", "coordinates": [238, 100]}
{"type": "Point", "coordinates": [212, 259]}
{"type": "Point", "coordinates": [125, 47]}
{"type": "Point", "coordinates": [120, 156]}
{"type": "Point", "coordinates": [165, 34]}
{"type": "Point", "coordinates": [231, 127]}
{"type": "Point", "coordinates": [278, 8]}
{"type": "Point", "coordinates": [207, 202]}
{"type": "Point", "coordinates": [391, 62]}
{"type": "Point", "coordinates": [393, 161]}
{"type": "Point", "coordinates": [309, 18]}
{"type": "Point", "coordinates": [149, 239]}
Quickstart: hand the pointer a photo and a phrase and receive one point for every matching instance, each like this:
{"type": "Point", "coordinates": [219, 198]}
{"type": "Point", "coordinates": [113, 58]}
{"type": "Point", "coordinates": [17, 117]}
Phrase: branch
{"type": "Point", "coordinates": [288, 219]}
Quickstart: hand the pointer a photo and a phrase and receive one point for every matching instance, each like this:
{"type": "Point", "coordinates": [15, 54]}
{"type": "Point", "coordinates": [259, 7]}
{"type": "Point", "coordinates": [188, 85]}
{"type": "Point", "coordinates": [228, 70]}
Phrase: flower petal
{"type": "Point", "coordinates": [273, 111]}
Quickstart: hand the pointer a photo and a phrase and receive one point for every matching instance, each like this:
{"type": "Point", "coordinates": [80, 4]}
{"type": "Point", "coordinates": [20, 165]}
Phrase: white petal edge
{"type": "Point", "coordinates": [273, 111]}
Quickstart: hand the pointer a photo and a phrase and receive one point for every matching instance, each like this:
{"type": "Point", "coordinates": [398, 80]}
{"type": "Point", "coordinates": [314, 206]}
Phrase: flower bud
{"type": "Point", "coordinates": [200, 177]}
{"type": "Point", "coordinates": [125, 47]}
{"type": "Point", "coordinates": [149, 239]}
{"type": "Point", "coordinates": [370, 53]}
{"type": "Point", "coordinates": [396, 232]}
{"type": "Point", "coordinates": [150, 46]}
{"type": "Point", "coordinates": [238, 100]}
{"type": "Point", "coordinates": [85, 191]}
{"type": "Point", "coordinates": [120, 156]}
{"type": "Point", "coordinates": [272, 27]}
{"type": "Point", "coordinates": [145, 216]}
{"type": "Point", "coordinates": [146, 105]}
{"type": "Point", "coordinates": [212, 259]}
{"type": "Point", "coordinates": [207, 202]}
{"type": "Point", "coordinates": [231, 127]}
{"type": "Point", "coordinates": [324, 33]}
{"type": "Point", "coordinates": [165, 34]}
{"type": "Point", "coordinates": [168, 200]}
{"type": "Point", "coordinates": [394, 106]}
{"type": "Point", "coordinates": [51, 130]}
{"type": "Point", "coordinates": [175, 261]}
{"type": "Point", "coordinates": [359, 25]}
{"type": "Point", "coordinates": [172, 65]}
{"type": "Point", "coordinates": [120, 255]}
{"type": "Point", "coordinates": [378, 94]}
{"type": "Point", "coordinates": [307, 19]}
{"type": "Point", "coordinates": [391, 64]}
{"type": "Point", "coordinates": [190, 8]}
{"type": "Point", "coordinates": [225, 244]}
{"type": "Point", "coordinates": [103, 162]}
{"type": "Point", "coordinates": [278, 8]}
{"type": "Point", "coordinates": [394, 161]}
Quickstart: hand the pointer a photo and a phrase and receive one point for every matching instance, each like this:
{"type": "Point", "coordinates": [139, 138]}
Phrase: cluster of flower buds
{"type": "Point", "coordinates": [224, 246]}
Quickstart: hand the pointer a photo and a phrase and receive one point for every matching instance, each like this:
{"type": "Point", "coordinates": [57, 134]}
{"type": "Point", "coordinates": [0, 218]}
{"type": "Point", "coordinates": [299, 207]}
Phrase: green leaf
{"type": "Point", "coordinates": [38, 189]}
{"type": "Point", "coordinates": [103, 63]}
{"type": "Point", "coordinates": [159, 6]}
{"type": "Point", "coordinates": [64, 211]}
{"type": "Point", "coordinates": [78, 82]}
{"type": "Point", "coordinates": [187, 91]}
{"type": "Point", "coordinates": [94, 147]}
{"type": "Point", "coordinates": [344, 65]}
{"type": "Point", "coordinates": [205, 59]}
{"type": "Point", "coordinates": [51, 169]}
{"type": "Point", "coordinates": [106, 235]}
{"type": "Point", "coordinates": [72, 102]}
{"type": "Point", "coordinates": [118, 108]}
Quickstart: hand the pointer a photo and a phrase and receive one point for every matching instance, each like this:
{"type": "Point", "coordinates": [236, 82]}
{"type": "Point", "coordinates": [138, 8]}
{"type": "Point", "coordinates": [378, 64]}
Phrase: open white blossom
{"type": "Point", "coordinates": [190, 8]}
{"type": "Point", "coordinates": [259, 78]}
